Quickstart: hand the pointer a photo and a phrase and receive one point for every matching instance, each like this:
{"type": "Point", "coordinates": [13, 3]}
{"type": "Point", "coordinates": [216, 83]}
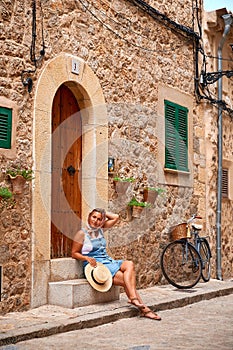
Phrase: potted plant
{"type": "Point", "coordinates": [18, 178]}
{"type": "Point", "coordinates": [121, 184]}
{"type": "Point", "coordinates": [151, 193]}
{"type": "Point", "coordinates": [137, 207]}
{"type": "Point", "coordinates": [5, 193]}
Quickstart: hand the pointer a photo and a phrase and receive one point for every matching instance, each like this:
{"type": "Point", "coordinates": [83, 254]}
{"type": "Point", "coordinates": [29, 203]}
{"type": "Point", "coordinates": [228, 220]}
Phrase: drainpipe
{"type": "Point", "coordinates": [228, 22]}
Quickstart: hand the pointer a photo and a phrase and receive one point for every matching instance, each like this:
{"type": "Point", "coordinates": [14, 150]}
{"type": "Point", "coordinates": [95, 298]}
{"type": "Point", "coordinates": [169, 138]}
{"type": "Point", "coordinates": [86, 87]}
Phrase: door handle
{"type": "Point", "coordinates": [71, 170]}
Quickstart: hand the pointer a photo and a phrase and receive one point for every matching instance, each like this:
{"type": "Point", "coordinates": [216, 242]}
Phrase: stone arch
{"type": "Point", "coordinates": [87, 90]}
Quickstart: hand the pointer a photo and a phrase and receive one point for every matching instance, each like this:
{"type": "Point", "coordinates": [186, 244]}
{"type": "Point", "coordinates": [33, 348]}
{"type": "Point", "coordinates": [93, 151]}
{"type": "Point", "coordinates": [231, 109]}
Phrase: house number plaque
{"type": "Point", "coordinates": [75, 66]}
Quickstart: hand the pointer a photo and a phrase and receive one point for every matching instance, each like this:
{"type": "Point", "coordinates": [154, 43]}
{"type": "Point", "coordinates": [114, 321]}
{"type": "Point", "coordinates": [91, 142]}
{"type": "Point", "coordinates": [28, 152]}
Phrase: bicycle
{"type": "Point", "coordinates": [183, 263]}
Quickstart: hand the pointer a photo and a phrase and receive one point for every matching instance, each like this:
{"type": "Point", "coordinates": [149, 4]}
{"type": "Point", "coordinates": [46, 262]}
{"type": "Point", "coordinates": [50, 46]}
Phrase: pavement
{"type": "Point", "coordinates": [48, 320]}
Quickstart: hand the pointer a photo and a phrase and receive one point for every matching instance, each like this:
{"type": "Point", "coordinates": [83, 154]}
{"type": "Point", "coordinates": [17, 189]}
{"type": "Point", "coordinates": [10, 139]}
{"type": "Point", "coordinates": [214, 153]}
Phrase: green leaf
{"type": "Point", "coordinates": [5, 192]}
{"type": "Point", "coordinates": [123, 179]}
{"type": "Point", "coordinates": [135, 203]}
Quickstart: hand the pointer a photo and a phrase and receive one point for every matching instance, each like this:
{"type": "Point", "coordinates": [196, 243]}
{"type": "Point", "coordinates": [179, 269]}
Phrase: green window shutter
{"type": "Point", "coordinates": [176, 137]}
{"type": "Point", "coordinates": [5, 127]}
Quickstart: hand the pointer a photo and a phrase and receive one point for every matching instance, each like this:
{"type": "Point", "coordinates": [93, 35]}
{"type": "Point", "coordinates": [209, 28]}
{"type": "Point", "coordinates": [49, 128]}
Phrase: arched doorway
{"type": "Point", "coordinates": [93, 179]}
{"type": "Point", "coordinates": [66, 171]}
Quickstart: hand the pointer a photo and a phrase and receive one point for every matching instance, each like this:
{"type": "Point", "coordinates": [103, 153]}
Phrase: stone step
{"type": "Point", "coordinates": [65, 269]}
{"type": "Point", "coordinates": [78, 292]}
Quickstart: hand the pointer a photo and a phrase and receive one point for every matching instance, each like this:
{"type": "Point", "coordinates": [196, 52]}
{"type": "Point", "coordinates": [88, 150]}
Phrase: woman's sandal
{"type": "Point", "coordinates": [138, 305]}
{"type": "Point", "coordinates": [154, 315]}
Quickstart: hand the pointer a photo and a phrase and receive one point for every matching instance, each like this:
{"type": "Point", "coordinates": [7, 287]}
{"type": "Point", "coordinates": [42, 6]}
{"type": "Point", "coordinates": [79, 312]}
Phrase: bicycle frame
{"type": "Point", "coordinates": [198, 241]}
{"type": "Point", "coordinates": [188, 251]}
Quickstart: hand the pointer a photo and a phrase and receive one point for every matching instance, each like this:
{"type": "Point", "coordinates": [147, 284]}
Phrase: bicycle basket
{"type": "Point", "coordinates": [179, 231]}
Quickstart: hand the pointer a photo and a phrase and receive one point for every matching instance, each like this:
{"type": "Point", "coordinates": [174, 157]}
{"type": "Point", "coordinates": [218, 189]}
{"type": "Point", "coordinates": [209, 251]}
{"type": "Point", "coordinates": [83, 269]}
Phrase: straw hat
{"type": "Point", "coordinates": [99, 277]}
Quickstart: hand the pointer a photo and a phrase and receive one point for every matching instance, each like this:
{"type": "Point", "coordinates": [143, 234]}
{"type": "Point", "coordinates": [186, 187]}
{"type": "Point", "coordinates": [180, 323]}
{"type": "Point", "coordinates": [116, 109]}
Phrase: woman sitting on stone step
{"type": "Point", "coordinates": [89, 246]}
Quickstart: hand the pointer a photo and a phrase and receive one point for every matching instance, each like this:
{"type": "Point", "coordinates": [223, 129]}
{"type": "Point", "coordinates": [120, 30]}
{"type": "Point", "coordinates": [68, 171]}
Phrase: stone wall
{"type": "Point", "coordinates": [213, 31]}
{"type": "Point", "coordinates": [15, 249]}
{"type": "Point", "coordinates": [227, 205]}
{"type": "Point", "coordinates": [134, 147]}
{"type": "Point", "coordinates": [131, 54]}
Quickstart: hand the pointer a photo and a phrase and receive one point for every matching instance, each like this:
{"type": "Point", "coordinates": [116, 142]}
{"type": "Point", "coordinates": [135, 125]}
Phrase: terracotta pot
{"type": "Point", "coordinates": [18, 183]}
{"type": "Point", "coordinates": [137, 211]}
{"type": "Point", "coordinates": [149, 196]}
{"type": "Point", "coordinates": [121, 186]}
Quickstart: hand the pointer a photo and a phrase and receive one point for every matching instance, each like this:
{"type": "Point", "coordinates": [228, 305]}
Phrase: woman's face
{"type": "Point", "coordinates": [95, 219]}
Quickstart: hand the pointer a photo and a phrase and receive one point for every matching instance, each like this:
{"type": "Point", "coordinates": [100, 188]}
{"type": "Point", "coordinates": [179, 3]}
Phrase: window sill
{"type": "Point", "coordinates": [173, 171]}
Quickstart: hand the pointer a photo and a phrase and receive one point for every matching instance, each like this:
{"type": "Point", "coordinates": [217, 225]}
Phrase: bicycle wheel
{"type": "Point", "coordinates": [205, 254]}
{"type": "Point", "coordinates": [181, 264]}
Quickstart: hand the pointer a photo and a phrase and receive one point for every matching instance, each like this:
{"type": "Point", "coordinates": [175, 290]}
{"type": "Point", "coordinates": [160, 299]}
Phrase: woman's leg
{"type": "Point", "coordinates": [126, 278]}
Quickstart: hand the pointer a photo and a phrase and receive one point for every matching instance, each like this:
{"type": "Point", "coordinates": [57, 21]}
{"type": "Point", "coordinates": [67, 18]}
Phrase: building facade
{"type": "Point", "coordinates": [85, 81]}
{"type": "Point", "coordinates": [218, 38]}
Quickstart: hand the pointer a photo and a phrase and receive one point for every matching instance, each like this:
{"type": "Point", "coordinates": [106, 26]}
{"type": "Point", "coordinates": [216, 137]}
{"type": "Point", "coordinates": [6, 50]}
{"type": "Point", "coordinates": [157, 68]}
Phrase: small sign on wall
{"type": "Point", "coordinates": [75, 66]}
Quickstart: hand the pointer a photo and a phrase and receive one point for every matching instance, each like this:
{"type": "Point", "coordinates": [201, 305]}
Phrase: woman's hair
{"type": "Point", "coordinates": [98, 210]}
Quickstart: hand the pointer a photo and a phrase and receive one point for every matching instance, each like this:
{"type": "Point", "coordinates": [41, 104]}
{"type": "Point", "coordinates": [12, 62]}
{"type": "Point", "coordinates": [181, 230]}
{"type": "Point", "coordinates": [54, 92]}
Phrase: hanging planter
{"type": "Point", "coordinates": [136, 211]}
{"type": "Point", "coordinates": [149, 196]}
{"type": "Point", "coordinates": [151, 193]}
{"type": "Point", "coordinates": [18, 179]}
{"type": "Point", "coordinates": [121, 184]}
{"type": "Point", "coordinates": [18, 183]}
{"type": "Point", "coordinates": [137, 207]}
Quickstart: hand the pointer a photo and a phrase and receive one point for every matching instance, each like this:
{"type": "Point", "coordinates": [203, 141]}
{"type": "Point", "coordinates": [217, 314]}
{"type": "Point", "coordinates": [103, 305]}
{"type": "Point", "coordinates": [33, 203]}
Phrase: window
{"type": "Point", "coordinates": [5, 127]}
{"type": "Point", "coordinates": [225, 183]}
{"type": "Point", "coordinates": [176, 136]}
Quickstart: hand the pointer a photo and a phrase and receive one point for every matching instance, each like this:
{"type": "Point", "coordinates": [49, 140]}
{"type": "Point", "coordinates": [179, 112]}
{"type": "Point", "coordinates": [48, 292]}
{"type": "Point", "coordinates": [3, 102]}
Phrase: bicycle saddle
{"type": "Point", "coordinates": [197, 227]}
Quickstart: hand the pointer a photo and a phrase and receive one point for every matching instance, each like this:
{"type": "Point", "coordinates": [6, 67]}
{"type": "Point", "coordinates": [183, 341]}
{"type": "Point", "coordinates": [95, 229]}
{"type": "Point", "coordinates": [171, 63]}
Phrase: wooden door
{"type": "Point", "coordinates": [66, 176]}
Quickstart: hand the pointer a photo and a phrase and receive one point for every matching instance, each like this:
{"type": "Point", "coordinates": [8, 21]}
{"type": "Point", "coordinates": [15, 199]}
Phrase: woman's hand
{"type": "Point", "coordinates": [91, 261]}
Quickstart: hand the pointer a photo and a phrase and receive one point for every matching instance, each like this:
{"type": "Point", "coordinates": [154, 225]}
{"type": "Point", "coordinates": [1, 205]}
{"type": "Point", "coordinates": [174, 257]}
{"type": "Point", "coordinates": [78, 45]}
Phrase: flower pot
{"type": "Point", "coordinates": [137, 211]}
{"type": "Point", "coordinates": [121, 186]}
{"type": "Point", "coordinates": [18, 183]}
{"type": "Point", "coordinates": [149, 196]}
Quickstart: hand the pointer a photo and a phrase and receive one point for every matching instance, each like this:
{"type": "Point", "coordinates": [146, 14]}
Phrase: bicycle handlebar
{"type": "Point", "coordinates": [194, 216]}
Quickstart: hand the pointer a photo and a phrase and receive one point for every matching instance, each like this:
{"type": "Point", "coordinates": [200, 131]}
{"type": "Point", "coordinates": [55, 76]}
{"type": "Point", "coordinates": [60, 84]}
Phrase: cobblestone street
{"type": "Point", "coordinates": [201, 326]}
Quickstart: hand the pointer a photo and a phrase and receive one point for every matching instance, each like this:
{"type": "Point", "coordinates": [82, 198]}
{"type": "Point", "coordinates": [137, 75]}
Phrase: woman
{"type": "Point", "coordinates": [90, 246]}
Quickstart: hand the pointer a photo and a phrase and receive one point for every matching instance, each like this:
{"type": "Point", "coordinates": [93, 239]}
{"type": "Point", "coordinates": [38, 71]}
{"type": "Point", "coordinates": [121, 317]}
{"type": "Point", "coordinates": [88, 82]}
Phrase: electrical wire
{"type": "Point", "coordinates": [92, 12]}
{"type": "Point", "coordinates": [27, 81]}
{"type": "Point", "coordinates": [34, 35]}
{"type": "Point", "coordinates": [133, 23]}
{"type": "Point", "coordinates": [166, 21]}
{"type": "Point", "coordinates": [112, 31]}
{"type": "Point", "coordinates": [218, 103]}
{"type": "Point", "coordinates": [202, 91]}
{"type": "Point", "coordinates": [117, 14]}
{"type": "Point", "coordinates": [220, 58]}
